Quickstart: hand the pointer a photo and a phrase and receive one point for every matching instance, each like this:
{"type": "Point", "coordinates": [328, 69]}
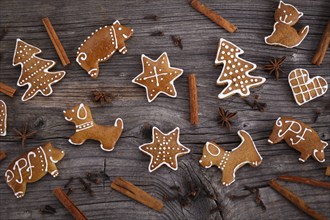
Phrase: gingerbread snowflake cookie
{"type": "Point", "coordinates": [306, 89]}
{"type": "Point", "coordinates": [158, 76]}
{"type": "Point", "coordinates": [284, 34]}
{"type": "Point", "coordinates": [32, 166]}
{"type": "Point", "coordinates": [101, 45]}
{"type": "Point", "coordinates": [299, 136]}
{"type": "Point", "coordinates": [164, 149]}
{"type": "Point", "coordinates": [3, 118]}
{"type": "Point", "coordinates": [230, 161]}
{"type": "Point", "coordinates": [235, 72]}
{"type": "Point", "coordinates": [34, 71]}
{"type": "Point", "coordinates": [86, 128]}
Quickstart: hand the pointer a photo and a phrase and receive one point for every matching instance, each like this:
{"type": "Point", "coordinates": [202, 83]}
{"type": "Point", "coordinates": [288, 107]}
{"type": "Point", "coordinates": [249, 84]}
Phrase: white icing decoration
{"type": "Point", "coordinates": [214, 147]}
{"type": "Point", "coordinates": [82, 107]}
{"type": "Point", "coordinates": [3, 117]}
{"type": "Point", "coordinates": [300, 133]}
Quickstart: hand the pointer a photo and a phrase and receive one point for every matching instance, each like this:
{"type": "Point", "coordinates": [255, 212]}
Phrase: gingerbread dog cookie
{"type": "Point", "coordinates": [34, 71]}
{"type": "Point", "coordinates": [101, 45]}
{"type": "Point", "coordinates": [230, 161]}
{"type": "Point", "coordinates": [86, 128]}
{"type": "Point", "coordinates": [164, 149]}
{"type": "Point", "coordinates": [235, 72]}
{"type": "Point", "coordinates": [3, 118]}
{"type": "Point", "coordinates": [32, 166]}
{"type": "Point", "coordinates": [299, 136]}
{"type": "Point", "coordinates": [304, 88]}
{"type": "Point", "coordinates": [284, 34]}
{"type": "Point", "coordinates": [158, 76]}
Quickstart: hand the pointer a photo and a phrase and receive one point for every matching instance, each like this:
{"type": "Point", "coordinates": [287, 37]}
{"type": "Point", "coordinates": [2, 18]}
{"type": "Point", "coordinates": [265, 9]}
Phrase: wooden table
{"type": "Point", "coordinates": [75, 20]}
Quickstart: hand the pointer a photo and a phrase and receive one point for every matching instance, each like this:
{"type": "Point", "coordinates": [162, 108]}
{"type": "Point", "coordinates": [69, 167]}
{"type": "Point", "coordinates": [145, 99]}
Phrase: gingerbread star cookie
{"type": "Point", "coordinates": [164, 149]}
{"type": "Point", "coordinates": [235, 72]}
{"type": "Point", "coordinates": [3, 118]}
{"type": "Point", "coordinates": [305, 89]}
{"type": "Point", "coordinates": [158, 76]}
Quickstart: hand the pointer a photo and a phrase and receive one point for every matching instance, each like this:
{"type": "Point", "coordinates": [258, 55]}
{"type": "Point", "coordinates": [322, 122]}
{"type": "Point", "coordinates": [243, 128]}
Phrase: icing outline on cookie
{"type": "Point", "coordinates": [3, 131]}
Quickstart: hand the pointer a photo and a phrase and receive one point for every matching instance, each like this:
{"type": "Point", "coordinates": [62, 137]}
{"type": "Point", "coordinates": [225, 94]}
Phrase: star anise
{"type": "Point", "coordinates": [275, 66]}
{"type": "Point", "coordinates": [24, 134]}
{"type": "Point", "coordinates": [102, 97]}
{"type": "Point", "coordinates": [225, 117]}
{"type": "Point", "coordinates": [177, 41]}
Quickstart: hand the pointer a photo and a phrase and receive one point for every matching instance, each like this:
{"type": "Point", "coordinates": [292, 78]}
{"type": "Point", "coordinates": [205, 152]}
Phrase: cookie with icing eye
{"type": "Point", "coordinates": [101, 45]}
{"type": "Point", "coordinates": [32, 166]}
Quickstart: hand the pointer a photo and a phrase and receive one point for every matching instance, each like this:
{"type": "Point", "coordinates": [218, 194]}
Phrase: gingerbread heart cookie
{"type": "Point", "coordinates": [101, 45]}
{"type": "Point", "coordinates": [299, 136]}
{"type": "Point", "coordinates": [235, 72]}
{"type": "Point", "coordinates": [230, 161]}
{"type": "Point", "coordinates": [305, 89]}
{"type": "Point", "coordinates": [34, 71]}
{"type": "Point", "coordinates": [284, 34]}
{"type": "Point", "coordinates": [86, 128]}
{"type": "Point", "coordinates": [32, 166]}
{"type": "Point", "coordinates": [3, 118]}
{"type": "Point", "coordinates": [164, 149]}
{"type": "Point", "coordinates": [158, 76]}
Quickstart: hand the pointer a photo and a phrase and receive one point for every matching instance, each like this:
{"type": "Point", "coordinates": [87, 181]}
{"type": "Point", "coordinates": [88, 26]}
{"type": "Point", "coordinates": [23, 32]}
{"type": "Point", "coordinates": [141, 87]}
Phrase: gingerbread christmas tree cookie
{"type": "Point", "coordinates": [235, 72]}
{"type": "Point", "coordinates": [3, 118]}
{"type": "Point", "coordinates": [164, 149]}
{"type": "Point", "coordinates": [158, 76]}
{"type": "Point", "coordinates": [34, 71]}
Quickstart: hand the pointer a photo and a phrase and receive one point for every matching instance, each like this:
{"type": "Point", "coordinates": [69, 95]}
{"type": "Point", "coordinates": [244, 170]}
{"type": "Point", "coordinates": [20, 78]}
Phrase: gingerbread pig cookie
{"type": "Point", "coordinates": [34, 72]}
{"type": "Point", "coordinates": [235, 72]}
{"type": "Point", "coordinates": [32, 166]}
{"type": "Point", "coordinates": [86, 128]}
{"type": "Point", "coordinates": [164, 149]}
{"type": "Point", "coordinates": [305, 89]}
{"type": "Point", "coordinates": [3, 118]}
{"type": "Point", "coordinates": [101, 45]}
{"type": "Point", "coordinates": [284, 34]}
{"type": "Point", "coordinates": [230, 161]}
{"type": "Point", "coordinates": [158, 76]}
{"type": "Point", "coordinates": [299, 136]}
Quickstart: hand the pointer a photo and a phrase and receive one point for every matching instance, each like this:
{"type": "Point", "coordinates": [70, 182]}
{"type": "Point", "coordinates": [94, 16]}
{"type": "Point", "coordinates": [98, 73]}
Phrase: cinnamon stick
{"type": "Point", "coordinates": [68, 204]}
{"type": "Point", "coordinates": [323, 46]}
{"type": "Point", "coordinates": [56, 41]}
{"type": "Point", "coordinates": [308, 181]}
{"type": "Point", "coordinates": [134, 192]}
{"type": "Point", "coordinates": [2, 155]}
{"type": "Point", "coordinates": [327, 172]}
{"type": "Point", "coordinates": [212, 15]}
{"type": "Point", "coordinates": [296, 200]}
{"type": "Point", "coordinates": [193, 99]}
{"type": "Point", "coordinates": [8, 90]}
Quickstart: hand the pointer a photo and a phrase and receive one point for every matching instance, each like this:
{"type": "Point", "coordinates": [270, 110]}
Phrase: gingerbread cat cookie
{"type": "Point", "coordinates": [284, 34]}
{"type": "Point", "coordinates": [3, 118]}
{"type": "Point", "coordinates": [101, 45]}
{"type": "Point", "coordinates": [158, 76]}
{"type": "Point", "coordinates": [34, 72]}
{"type": "Point", "coordinates": [306, 89]}
{"type": "Point", "coordinates": [32, 166]}
{"type": "Point", "coordinates": [230, 161]}
{"type": "Point", "coordinates": [299, 136]}
{"type": "Point", "coordinates": [235, 72]}
{"type": "Point", "coordinates": [86, 128]}
{"type": "Point", "coordinates": [164, 149]}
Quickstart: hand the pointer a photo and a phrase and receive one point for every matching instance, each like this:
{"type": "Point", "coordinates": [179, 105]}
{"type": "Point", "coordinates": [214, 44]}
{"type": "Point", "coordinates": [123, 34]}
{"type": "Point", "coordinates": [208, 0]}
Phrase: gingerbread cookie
{"type": "Point", "coordinates": [284, 34]}
{"type": "Point", "coordinates": [32, 166]}
{"type": "Point", "coordinates": [3, 118]}
{"type": "Point", "coordinates": [235, 72]}
{"type": "Point", "coordinates": [86, 128]}
{"type": "Point", "coordinates": [299, 136]}
{"type": "Point", "coordinates": [304, 88]}
{"type": "Point", "coordinates": [158, 76]}
{"type": "Point", "coordinates": [164, 149]}
{"type": "Point", "coordinates": [230, 161]}
{"type": "Point", "coordinates": [34, 71]}
{"type": "Point", "coordinates": [101, 45]}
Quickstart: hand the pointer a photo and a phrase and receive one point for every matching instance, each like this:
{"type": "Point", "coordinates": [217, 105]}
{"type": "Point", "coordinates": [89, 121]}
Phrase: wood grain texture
{"type": "Point", "coordinates": [75, 21]}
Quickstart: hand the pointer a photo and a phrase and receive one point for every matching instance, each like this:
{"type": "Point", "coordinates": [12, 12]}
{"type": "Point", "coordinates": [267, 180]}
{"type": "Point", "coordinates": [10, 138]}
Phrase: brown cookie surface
{"type": "Point", "coordinates": [3, 118]}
